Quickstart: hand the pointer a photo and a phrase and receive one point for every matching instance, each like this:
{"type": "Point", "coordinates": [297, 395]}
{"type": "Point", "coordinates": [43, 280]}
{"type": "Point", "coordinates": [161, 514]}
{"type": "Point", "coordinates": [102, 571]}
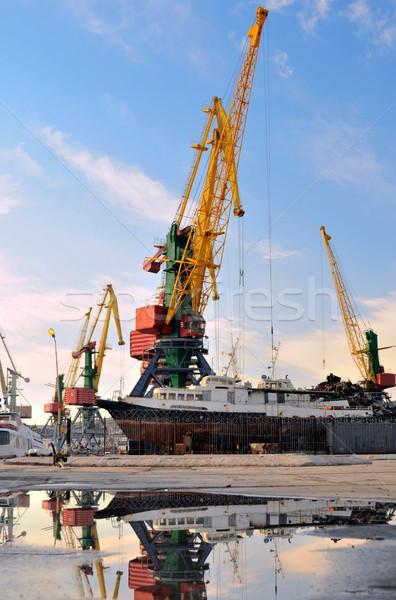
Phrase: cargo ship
{"type": "Point", "coordinates": [221, 415]}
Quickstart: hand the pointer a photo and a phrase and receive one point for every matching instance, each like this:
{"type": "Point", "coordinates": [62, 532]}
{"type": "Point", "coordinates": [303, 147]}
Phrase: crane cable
{"type": "Point", "coordinates": [241, 296]}
{"type": "Point", "coordinates": [268, 170]}
{"type": "Point", "coordinates": [322, 308]}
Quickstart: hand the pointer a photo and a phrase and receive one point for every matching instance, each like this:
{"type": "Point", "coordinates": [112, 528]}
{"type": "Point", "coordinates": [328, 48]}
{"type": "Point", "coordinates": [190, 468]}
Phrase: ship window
{"type": "Point", "coordinates": [190, 396]}
{"type": "Point", "coordinates": [4, 438]}
{"type": "Point", "coordinates": [181, 521]}
{"type": "Point", "coordinates": [190, 520]}
{"type": "Point", "coordinates": [199, 397]}
{"type": "Point", "coordinates": [163, 395]}
{"type": "Point", "coordinates": [172, 396]}
{"type": "Point", "coordinates": [171, 521]}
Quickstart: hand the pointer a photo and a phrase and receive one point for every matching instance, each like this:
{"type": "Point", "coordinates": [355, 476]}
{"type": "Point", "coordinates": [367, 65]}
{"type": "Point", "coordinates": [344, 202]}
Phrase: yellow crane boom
{"type": "Point", "coordinates": [109, 301]}
{"type": "Point", "coordinates": [356, 340]}
{"type": "Point", "coordinates": [203, 251]}
{"type": "Point", "coordinates": [73, 374]}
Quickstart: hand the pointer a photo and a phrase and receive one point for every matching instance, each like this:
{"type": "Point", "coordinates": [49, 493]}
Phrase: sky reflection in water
{"type": "Point", "coordinates": [182, 546]}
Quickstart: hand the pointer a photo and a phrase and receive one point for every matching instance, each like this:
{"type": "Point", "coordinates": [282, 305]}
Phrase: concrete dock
{"type": "Point", "coordinates": [264, 475]}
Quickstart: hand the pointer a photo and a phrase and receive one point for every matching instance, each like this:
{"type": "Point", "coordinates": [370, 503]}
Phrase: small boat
{"type": "Point", "coordinates": [16, 438]}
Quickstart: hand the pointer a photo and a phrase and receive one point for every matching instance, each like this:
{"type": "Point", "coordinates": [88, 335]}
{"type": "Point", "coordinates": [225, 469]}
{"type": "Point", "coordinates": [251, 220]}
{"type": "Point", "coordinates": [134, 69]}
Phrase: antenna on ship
{"type": "Point", "coordinates": [275, 352]}
{"type": "Point", "coordinates": [233, 362]}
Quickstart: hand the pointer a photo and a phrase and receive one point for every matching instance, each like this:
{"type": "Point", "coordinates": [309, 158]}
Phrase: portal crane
{"type": "Point", "coordinates": [88, 421]}
{"type": "Point", "coordinates": [363, 347]}
{"type": "Point", "coordinates": [111, 309]}
{"type": "Point", "coordinates": [9, 390]}
{"type": "Point", "coordinates": [56, 408]}
{"type": "Point", "coordinates": [82, 430]}
{"type": "Point", "coordinates": [168, 335]}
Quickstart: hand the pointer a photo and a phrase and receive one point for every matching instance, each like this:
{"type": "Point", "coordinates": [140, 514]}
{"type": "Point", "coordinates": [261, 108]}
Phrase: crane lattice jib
{"type": "Point", "coordinates": [111, 307]}
{"type": "Point", "coordinates": [73, 374]}
{"type": "Point", "coordinates": [355, 337]}
{"type": "Point", "coordinates": [203, 252]}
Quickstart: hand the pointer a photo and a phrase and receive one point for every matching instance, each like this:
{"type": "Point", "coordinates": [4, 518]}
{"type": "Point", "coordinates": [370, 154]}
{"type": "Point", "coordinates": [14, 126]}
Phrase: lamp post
{"type": "Point", "coordinates": [58, 429]}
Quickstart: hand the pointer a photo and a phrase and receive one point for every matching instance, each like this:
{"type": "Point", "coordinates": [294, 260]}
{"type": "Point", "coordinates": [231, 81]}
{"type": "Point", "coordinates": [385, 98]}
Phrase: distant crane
{"type": "Point", "coordinates": [88, 418]}
{"type": "Point", "coordinates": [68, 380]}
{"type": "Point", "coordinates": [363, 347]}
{"type": "Point", "coordinates": [9, 389]}
{"type": "Point", "coordinates": [83, 429]}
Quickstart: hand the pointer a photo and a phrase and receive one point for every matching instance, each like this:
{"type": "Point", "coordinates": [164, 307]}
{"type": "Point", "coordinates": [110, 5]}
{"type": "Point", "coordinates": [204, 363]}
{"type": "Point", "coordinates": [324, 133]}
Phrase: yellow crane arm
{"type": "Point", "coordinates": [73, 374]}
{"type": "Point", "coordinates": [203, 252]}
{"type": "Point", "coordinates": [355, 337]}
{"type": "Point", "coordinates": [112, 307]}
{"type": "Point", "coordinates": [200, 147]}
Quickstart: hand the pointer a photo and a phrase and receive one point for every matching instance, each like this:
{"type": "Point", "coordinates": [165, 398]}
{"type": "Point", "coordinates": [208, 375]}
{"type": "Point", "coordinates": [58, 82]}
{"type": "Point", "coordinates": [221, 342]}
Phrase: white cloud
{"type": "Point", "coordinates": [119, 184]}
{"type": "Point", "coordinates": [278, 4]}
{"type": "Point", "coordinates": [277, 251]}
{"type": "Point", "coordinates": [112, 26]}
{"type": "Point", "coordinates": [196, 57]}
{"type": "Point", "coordinates": [313, 11]}
{"type": "Point", "coordinates": [10, 195]}
{"type": "Point", "coordinates": [238, 8]}
{"type": "Point", "coordinates": [282, 68]}
{"type": "Point", "coordinates": [358, 11]}
{"type": "Point", "coordinates": [377, 23]}
{"type": "Point", "coordinates": [21, 158]}
{"type": "Point", "coordinates": [359, 166]}
{"type": "Point", "coordinates": [131, 26]}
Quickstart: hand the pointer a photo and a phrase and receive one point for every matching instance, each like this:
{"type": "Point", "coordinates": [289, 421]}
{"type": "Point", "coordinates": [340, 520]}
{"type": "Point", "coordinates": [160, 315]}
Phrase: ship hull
{"type": "Point", "coordinates": [152, 430]}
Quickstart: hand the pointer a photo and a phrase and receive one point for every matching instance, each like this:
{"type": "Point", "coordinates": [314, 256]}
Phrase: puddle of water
{"type": "Point", "coordinates": [187, 546]}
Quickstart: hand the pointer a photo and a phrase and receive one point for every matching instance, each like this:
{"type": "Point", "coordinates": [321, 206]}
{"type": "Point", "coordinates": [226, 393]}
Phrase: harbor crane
{"type": "Point", "coordinates": [363, 346]}
{"type": "Point", "coordinates": [93, 368]}
{"type": "Point", "coordinates": [9, 388]}
{"type": "Point", "coordinates": [87, 422]}
{"type": "Point", "coordinates": [168, 338]}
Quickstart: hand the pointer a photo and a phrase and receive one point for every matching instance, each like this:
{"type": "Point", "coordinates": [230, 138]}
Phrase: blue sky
{"type": "Point", "coordinates": [99, 105]}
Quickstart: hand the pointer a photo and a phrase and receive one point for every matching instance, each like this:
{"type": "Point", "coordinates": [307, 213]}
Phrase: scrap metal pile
{"type": "Point", "coordinates": [357, 395]}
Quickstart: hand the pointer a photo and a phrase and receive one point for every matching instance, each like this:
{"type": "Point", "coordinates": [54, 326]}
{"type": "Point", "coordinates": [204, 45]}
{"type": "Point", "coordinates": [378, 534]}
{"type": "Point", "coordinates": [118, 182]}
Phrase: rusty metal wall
{"type": "Point", "coordinates": [150, 431]}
